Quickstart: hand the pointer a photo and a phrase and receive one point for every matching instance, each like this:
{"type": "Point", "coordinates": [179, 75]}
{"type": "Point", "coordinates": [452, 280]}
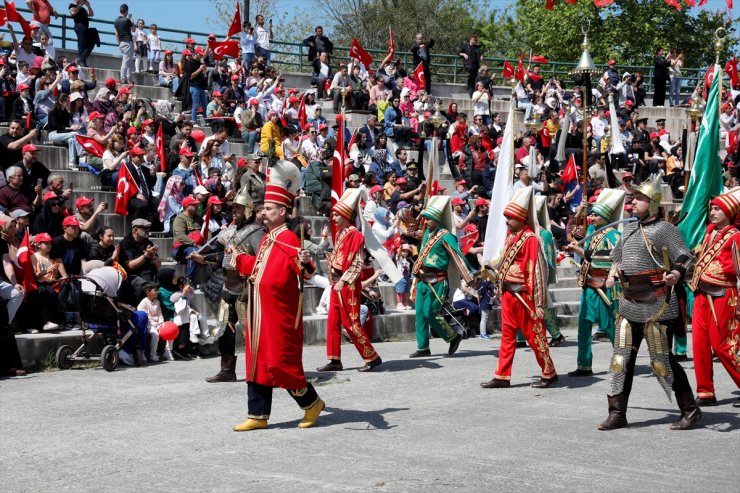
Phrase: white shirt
{"type": "Point", "coordinates": [247, 42]}
{"type": "Point", "coordinates": [480, 107]}
{"type": "Point", "coordinates": [154, 42]}
{"type": "Point", "coordinates": [262, 37]}
{"type": "Point", "coordinates": [598, 125]}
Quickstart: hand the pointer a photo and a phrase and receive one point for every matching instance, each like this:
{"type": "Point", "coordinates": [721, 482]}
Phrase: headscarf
{"type": "Point", "coordinates": [172, 188]}
{"type": "Point", "coordinates": [381, 216]}
{"type": "Point", "coordinates": [164, 279]}
{"type": "Point", "coordinates": [49, 222]}
{"type": "Point", "coordinates": [451, 114]}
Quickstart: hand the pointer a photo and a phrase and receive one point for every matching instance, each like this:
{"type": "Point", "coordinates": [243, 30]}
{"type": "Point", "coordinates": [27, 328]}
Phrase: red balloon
{"type": "Point", "coordinates": [198, 135]}
{"type": "Point", "coordinates": [169, 331]}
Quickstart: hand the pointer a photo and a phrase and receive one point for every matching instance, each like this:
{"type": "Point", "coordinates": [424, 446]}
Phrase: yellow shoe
{"type": "Point", "coordinates": [312, 414]}
{"type": "Point", "coordinates": [251, 424]}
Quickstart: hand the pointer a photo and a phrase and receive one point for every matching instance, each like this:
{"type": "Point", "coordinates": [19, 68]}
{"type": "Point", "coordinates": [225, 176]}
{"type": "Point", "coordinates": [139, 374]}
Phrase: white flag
{"type": "Point", "coordinates": [503, 189]}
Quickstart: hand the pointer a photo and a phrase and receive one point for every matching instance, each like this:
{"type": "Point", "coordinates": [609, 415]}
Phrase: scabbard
{"type": "Point", "coordinates": [532, 313]}
{"type": "Point", "coordinates": [603, 296]}
{"type": "Point", "coordinates": [710, 300]}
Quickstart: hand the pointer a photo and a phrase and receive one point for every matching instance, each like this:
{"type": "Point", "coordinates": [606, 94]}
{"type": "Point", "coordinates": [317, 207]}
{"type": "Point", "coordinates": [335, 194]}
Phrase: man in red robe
{"type": "Point", "coordinates": [522, 282]}
{"type": "Point", "coordinates": [274, 338]}
{"type": "Point", "coordinates": [715, 318]}
{"type": "Point", "coordinates": [345, 266]}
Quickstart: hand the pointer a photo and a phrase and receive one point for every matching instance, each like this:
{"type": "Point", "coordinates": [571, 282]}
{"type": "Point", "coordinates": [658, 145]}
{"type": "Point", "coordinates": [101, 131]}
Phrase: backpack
{"type": "Point", "coordinates": [70, 295]}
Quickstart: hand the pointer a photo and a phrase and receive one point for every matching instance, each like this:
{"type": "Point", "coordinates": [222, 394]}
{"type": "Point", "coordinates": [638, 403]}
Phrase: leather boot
{"type": "Point", "coordinates": [228, 371]}
{"type": "Point", "coordinates": [690, 412]}
{"type": "Point", "coordinates": [617, 413]}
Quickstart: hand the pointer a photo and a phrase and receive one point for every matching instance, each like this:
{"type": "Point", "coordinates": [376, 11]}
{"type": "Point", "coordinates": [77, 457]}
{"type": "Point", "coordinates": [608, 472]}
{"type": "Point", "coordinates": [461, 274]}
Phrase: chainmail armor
{"type": "Point", "coordinates": [631, 256]}
{"type": "Point", "coordinates": [247, 240]}
{"type": "Point", "coordinates": [621, 356]}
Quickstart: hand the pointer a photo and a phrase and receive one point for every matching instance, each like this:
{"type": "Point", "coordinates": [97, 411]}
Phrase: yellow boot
{"type": "Point", "coordinates": [251, 424]}
{"type": "Point", "coordinates": [312, 414]}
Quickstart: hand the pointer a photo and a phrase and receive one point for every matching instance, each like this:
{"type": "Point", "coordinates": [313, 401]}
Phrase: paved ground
{"type": "Point", "coordinates": [416, 425]}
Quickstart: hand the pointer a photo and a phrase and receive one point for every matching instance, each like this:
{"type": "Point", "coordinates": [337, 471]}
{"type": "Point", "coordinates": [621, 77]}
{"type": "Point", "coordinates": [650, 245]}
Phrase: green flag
{"type": "Point", "coordinates": [706, 176]}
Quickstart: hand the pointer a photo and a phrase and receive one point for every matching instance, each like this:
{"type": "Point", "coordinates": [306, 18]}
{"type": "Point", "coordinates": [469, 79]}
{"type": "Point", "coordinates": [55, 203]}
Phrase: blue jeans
{"type": "Point", "coordinates": [674, 99]}
{"type": "Point", "coordinates": [200, 100]}
{"type": "Point", "coordinates": [192, 264]}
{"type": "Point", "coordinates": [258, 51]}
{"type": "Point", "coordinates": [173, 84]}
{"type": "Point", "coordinates": [251, 136]}
{"type": "Point", "coordinates": [73, 147]}
{"type": "Point", "coordinates": [127, 62]}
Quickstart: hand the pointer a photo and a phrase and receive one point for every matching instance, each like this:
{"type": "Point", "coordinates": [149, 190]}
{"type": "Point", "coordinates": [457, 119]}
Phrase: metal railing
{"type": "Point", "coordinates": [293, 56]}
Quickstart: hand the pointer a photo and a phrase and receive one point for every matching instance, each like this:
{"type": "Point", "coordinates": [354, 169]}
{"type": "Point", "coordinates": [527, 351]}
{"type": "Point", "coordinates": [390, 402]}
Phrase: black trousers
{"type": "Point", "coordinates": [472, 75]}
{"type": "Point", "coordinates": [259, 403]}
{"type": "Point", "coordinates": [227, 342]}
{"type": "Point", "coordinates": [138, 209]}
{"type": "Point", "coordinates": [680, 381]}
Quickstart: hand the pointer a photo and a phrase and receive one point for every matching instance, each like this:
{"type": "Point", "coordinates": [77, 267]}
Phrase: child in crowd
{"type": "Point", "coordinates": [155, 48]}
{"type": "Point", "coordinates": [141, 45]}
{"type": "Point", "coordinates": [169, 284]}
{"type": "Point", "coordinates": [47, 271]}
{"type": "Point", "coordinates": [404, 263]}
{"type": "Point", "coordinates": [150, 306]}
{"type": "Point", "coordinates": [24, 75]}
{"type": "Point", "coordinates": [188, 319]}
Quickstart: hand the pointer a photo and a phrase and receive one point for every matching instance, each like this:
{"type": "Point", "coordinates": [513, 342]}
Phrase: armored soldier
{"type": "Point", "coordinates": [599, 304]}
{"type": "Point", "coordinates": [253, 179]}
{"type": "Point", "coordinates": [715, 326]}
{"type": "Point", "coordinates": [243, 235]}
{"type": "Point", "coordinates": [649, 260]}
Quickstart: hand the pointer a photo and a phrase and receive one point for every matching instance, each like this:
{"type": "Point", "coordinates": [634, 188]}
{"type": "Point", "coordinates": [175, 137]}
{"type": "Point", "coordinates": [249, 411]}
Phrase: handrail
{"type": "Point", "coordinates": [293, 55]}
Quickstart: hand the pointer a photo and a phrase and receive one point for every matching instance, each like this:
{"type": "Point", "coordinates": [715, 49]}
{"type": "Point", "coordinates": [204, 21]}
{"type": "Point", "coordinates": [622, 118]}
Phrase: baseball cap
{"type": "Point", "coordinates": [277, 90]}
{"type": "Point", "coordinates": [19, 213]}
{"type": "Point", "coordinates": [460, 182]}
{"type": "Point", "coordinates": [200, 189]}
{"type": "Point", "coordinates": [190, 41]}
{"type": "Point", "coordinates": [23, 86]}
{"type": "Point", "coordinates": [73, 68]}
{"type": "Point", "coordinates": [131, 131]}
{"type": "Point", "coordinates": [375, 189]}
{"type": "Point", "coordinates": [147, 122]}
{"type": "Point", "coordinates": [190, 200]}
{"type": "Point", "coordinates": [167, 52]}
{"type": "Point", "coordinates": [199, 50]}
{"type": "Point", "coordinates": [42, 238]}
{"type": "Point", "coordinates": [481, 201]}
{"type": "Point", "coordinates": [187, 53]}
{"type": "Point", "coordinates": [70, 221]}
{"type": "Point", "coordinates": [136, 151]}
{"type": "Point", "coordinates": [30, 148]}
{"type": "Point", "coordinates": [216, 94]}
{"type": "Point", "coordinates": [234, 77]}
{"type": "Point", "coordinates": [457, 201]}
{"type": "Point", "coordinates": [110, 81]}
{"type": "Point", "coordinates": [214, 200]}
{"type": "Point", "coordinates": [354, 177]}
{"type": "Point", "coordinates": [141, 223]}
{"type": "Point", "coordinates": [323, 126]}
{"type": "Point", "coordinates": [401, 180]}
{"type": "Point", "coordinates": [124, 90]}
{"type": "Point", "coordinates": [94, 115]}
{"type": "Point", "coordinates": [253, 101]}
{"type": "Point", "coordinates": [185, 151]}
{"type": "Point", "coordinates": [83, 201]}
{"type": "Point", "coordinates": [611, 62]}
{"type": "Point", "coordinates": [50, 196]}
{"type": "Point", "coordinates": [241, 163]}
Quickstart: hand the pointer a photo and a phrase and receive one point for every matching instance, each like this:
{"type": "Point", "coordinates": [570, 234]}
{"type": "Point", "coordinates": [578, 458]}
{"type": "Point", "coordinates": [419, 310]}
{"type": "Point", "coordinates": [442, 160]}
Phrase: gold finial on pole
{"type": "Point", "coordinates": [720, 34]}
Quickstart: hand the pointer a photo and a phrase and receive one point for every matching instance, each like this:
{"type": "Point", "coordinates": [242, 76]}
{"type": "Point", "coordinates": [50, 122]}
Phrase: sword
{"type": "Point", "coordinates": [603, 296]}
{"type": "Point", "coordinates": [532, 313]}
{"type": "Point", "coordinates": [710, 299]}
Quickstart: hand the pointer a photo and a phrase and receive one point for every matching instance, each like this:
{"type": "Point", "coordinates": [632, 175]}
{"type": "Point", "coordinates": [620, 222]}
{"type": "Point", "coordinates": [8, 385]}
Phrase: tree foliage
{"type": "Point", "coordinates": [629, 31]}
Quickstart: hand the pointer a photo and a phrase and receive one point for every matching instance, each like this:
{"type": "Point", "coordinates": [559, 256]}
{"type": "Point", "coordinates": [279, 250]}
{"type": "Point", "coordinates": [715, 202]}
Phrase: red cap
{"type": "Point", "coordinates": [323, 126]}
{"type": "Point", "coordinates": [187, 53]}
{"type": "Point", "coordinates": [124, 90]}
{"type": "Point", "coordinates": [190, 200]}
{"type": "Point", "coordinates": [293, 90]}
{"type": "Point", "coordinates": [654, 135]}
{"type": "Point", "coordinates": [94, 115]}
{"type": "Point", "coordinates": [110, 82]}
{"type": "Point", "coordinates": [185, 151]}
{"type": "Point", "coordinates": [29, 148]}
{"type": "Point", "coordinates": [213, 200]}
{"type": "Point", "coordinates": [293, 99]}
{"type": "Point", "coordinates": [241, 163]}
{"type": "Point", "coordinates": [42, 238]}
{"type": "Point", "coordinates": [216, 94]}
{"type": "Point", "coordinates": [457, 201]}
{"type": "Point", "coordinates": [401, 180]}
{"type": "Point", "coordinates": [199, 50]}
{"type": "Point", "coordinates": [50, 195]}
{"type": "Point", "coordinates": [190, 41]}
{"type": "Point", "coordinates": [70, 221]}
{"type": "Point", "coordinates": [23, 86]}
{"type": "Point", "coordinates": [460, 182]}
{"type": "Point", "coordinates": [253, 101]}
{"type": "Point", "coordinates": [499, 141]}
{"type": "Point", "coordinates": [277, 90]}
{"type": "Point", "coordinates": [167, 52]}
{"type": "Point", "coordinates": [234, 77]}
{"type": "Point", "coordinates": [629, 103]}
{"type": "Point", "coordinates": [147, 122]}
{"type": "Point", "coordinates": [628, 175]}
{"type": "Point", "coordinates": [481, 201]}
{"type": "Point", "coordinates": [611, 62]}
{"type": "Point", "coordinates": [73, 68]}
{"type": "Point", "coordinates": [83, 201]}
{"type": "Point", "coordinates": [131, 131]}
{"type": "Point", "coordinates": [375, 189]}
{"type": "Point", "coordinates": [136, 151]}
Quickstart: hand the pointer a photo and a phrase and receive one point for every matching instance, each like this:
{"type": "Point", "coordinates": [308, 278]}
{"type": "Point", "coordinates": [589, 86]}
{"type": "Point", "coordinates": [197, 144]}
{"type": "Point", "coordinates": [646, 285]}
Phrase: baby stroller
{"type": "Point", "coordinates": [94, 297]}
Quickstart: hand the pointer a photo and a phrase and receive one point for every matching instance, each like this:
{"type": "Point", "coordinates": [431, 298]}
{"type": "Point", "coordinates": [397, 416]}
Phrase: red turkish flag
{"type": "Point", "coordinates": [603, 3]}
{"type": "Point", "coordinates": [159, 142]}
{"type": "Point", "coordinates": [236, 23]}
{"type": "Point", "coordinates": [708, 78]}
{"type": "Point", "coordinates": [674, 4]}
{"type": "Point", "coordinates": [3, 17]}
{"type": "Point", "coordinates": [692, 3]}
{"type": "Point", "coordinates": [352, 139]}
{"type": "Point", "coordinates": [702, 2]}
{"type": "Point", "coordinates": [391, 41]}
{"type": "Point", "coordinates": [337, 170]}
{"type": "Point", "coordinates": [508, 72]}
{"type": "Point", "coordinates": [393, 244]}
{"type": "Point", "coordinates": [469, 239]}
{"type": "Point", "coordinates": [302, 118]}
{"type": "Point", "coordinates": [549, 4]}
{"type": "Point", "coordinates": [91, 146]}
{"type": "Point", "coordinates": [23, 266]}
{"type": "Point", "coordinates": [13, 16]}
{"type": "Point", "coordinates": [204, 232]}
{"type": "Point", "coordinates": [419, 75]}
{"type": "Point", "coordinates": [221, 49]}
{"type": "Point", "coordinates": [731, 69]}
{"type": "Point", "coordinates": [539, 59]}
{"type": "Point", "coordinates": [729, 4]}
{"type": "Point", "coordinates": [520, 72]}
{"type": "Point", "coordinates": [571, 2]}
{"type": "Point", "coordinates": [357, 51]}
{"type": "Point", "coordinates": [125, 190]}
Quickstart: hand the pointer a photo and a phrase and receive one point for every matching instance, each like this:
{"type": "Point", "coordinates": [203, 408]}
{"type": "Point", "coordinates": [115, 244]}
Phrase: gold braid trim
{"type": "Point", "coordinates": [710, 254]}
{"type": "Point", "coordinates": [586, 264]}
{"type": "Point", "coordinates": [511, 252]}
{"type": "Point", "coordinates": [427, 249]}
